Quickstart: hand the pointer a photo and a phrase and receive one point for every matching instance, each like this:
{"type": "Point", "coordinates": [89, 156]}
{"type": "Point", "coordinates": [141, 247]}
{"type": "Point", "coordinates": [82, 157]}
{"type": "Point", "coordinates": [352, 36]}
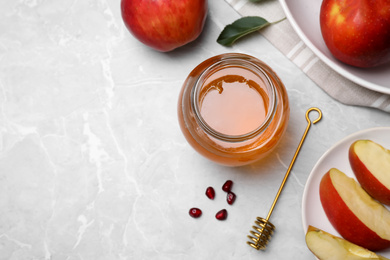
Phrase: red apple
{"type": "Point", "coordinates": [353, 213]}
{"type": "Point", "coordinates": [164, 25]}
{"type": "Point", "coordinates": [370, 163]}
{"type": "Point", "coordinates": [326, 246]}
{"type": "Point", "coordinates": [357, 32]}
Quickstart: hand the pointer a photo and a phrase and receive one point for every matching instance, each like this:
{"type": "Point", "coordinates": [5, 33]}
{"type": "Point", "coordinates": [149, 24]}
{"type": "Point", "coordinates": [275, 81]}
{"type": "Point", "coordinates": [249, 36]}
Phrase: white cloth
{"type": "Point", "coordinates": [284, 38]}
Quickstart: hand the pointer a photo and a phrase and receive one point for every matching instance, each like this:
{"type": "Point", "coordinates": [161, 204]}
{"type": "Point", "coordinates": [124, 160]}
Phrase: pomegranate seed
{"type": "Point", "coordinates": [210, 193]}
{"type": "Point", "coordinates": [222, 214]}
{"type": "Point", "coordinates": [230, 197]}
{"type": "Point", "coordinates": [227, 186]}
{"type": "Point", "coordinates": [195, 212]}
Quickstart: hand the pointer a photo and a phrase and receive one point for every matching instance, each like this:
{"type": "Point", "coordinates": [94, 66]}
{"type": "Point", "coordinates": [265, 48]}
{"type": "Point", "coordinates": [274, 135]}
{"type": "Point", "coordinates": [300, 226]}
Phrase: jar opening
{"type": "Point", "coordinates": [234, 99]}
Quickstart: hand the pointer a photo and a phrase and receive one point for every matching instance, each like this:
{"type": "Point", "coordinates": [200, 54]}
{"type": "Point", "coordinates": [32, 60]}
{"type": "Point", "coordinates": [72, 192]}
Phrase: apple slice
{"type": "Point", "coordinates": [370, 163]}
{"type": "Point", "coordinates": [353, 213]}
{"type": "Point", "coordinates": [326, 246]}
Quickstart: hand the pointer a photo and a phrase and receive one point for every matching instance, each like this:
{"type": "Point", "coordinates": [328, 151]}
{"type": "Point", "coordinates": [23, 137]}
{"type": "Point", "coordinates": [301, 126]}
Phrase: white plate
{"type": "Point", "coordinates": [304, 18]}
{"type": "Point", "coordinates": [337, 157]}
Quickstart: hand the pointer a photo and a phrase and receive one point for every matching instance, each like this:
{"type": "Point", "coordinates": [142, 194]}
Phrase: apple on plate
{"type": "Point", "coordinates": [164, 25]}
{"type": "Point", "coordinates": [357, 32]}
{"type": "Point", "coordinates": [370, 163]}
{"type": "Point", "coordinates": [355, 215]}
{"type": "Point", "coordinates": [326, 246]}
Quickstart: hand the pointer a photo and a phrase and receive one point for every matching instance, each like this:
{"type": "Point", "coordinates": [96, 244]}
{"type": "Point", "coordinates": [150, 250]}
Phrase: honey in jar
{"type": "Point", "coordinates": [233, 109]}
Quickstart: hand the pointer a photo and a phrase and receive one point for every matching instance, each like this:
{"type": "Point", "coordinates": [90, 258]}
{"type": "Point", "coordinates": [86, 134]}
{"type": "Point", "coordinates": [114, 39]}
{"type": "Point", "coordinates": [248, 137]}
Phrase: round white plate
{"type": "Point", "coordinates": [304, 18]}
{"type": "Point", "coordinates": [336, 157]}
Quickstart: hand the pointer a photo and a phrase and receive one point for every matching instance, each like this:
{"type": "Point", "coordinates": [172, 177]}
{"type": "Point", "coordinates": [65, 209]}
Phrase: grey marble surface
{"type": "Point", "coordinates": [92, 161]}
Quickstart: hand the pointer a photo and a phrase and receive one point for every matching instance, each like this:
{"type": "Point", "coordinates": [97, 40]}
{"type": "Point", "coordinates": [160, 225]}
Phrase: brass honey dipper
{"type": "Point", "coordinates": [264, 228]}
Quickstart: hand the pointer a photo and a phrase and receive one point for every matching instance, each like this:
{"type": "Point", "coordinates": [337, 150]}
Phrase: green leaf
{"type": "Point", "coordinates": [240, 28]}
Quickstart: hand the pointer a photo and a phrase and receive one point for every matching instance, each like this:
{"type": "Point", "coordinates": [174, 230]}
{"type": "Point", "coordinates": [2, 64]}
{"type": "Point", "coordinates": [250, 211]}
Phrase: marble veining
{"type": "Point", "coordinates": [92, 161]}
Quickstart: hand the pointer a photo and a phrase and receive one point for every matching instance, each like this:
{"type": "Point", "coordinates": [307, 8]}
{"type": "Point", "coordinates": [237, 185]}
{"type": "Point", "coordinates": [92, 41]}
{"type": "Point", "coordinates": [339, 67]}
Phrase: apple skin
{"type": "Point", "coordinates": [357, 32]}
{"type": "Point", "coordinates": [344, 220]}
{"type": "Point", "coordinates": [164, 25]}
{"type": "Point", "coordinates": [326, 246]}
{"type": "Point", "coordinates": [365, 155]}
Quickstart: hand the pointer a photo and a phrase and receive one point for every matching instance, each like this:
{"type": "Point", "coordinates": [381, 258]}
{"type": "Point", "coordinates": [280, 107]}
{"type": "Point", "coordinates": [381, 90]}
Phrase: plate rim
{"type": "Point", "coordinates": [335, 67]}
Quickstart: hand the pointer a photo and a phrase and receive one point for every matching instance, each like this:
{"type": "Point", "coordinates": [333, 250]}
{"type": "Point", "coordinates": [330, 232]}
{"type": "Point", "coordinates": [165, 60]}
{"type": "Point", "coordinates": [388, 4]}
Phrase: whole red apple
{"type": "Point", "coordinates": [357, 32]}
{"type": "Point", "coordinates": [164, 25]}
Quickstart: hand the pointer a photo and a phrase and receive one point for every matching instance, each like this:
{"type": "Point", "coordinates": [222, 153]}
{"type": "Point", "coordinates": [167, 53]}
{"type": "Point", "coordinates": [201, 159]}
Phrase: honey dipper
{"type": "Point", "coordinates": [263, 229]}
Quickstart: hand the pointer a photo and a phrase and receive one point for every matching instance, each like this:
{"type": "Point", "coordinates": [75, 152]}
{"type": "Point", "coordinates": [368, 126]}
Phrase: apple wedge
{"type": "Point", "coordinates": [326, 246]}
{"type": "Point", "coordinates": [370, 163]}
{"type": "Point", "coordinates": [353, 213]}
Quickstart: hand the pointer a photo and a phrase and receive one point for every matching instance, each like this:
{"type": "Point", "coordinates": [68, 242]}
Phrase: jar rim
{"type": "Point", "coordinates": [233, 60]}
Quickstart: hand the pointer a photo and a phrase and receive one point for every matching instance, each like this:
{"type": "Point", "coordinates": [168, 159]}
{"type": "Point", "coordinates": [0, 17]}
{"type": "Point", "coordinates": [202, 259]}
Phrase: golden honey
{"type": "Point", "coordinates": [233, 109]}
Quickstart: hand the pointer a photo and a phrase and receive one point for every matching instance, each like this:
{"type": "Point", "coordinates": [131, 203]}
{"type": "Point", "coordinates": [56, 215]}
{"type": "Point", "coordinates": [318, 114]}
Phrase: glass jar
{"type": "Point", "coordinates": [233, 109]}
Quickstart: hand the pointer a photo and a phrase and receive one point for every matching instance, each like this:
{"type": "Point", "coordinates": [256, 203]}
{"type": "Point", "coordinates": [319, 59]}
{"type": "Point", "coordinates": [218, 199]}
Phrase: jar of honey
{"type": "Point", "coordinates": [233, 109]}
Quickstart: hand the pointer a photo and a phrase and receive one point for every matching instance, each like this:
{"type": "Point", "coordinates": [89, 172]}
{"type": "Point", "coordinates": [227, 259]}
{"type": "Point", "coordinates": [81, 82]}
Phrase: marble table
{"type": "Point", "coordinates": [92, 161]}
